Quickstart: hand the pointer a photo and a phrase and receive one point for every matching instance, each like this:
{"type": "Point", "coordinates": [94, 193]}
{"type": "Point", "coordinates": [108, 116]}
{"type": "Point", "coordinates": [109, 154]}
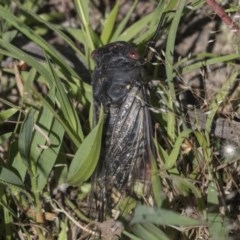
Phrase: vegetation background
{"type": "Point", "coordinates": [49, 147]}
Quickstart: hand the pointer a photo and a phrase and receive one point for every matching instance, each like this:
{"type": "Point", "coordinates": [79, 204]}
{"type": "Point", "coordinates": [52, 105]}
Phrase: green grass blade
{"type": "Point", "coordinates": [218, 99]}
{"type": "Point", "coordinates": [154, 19]}
{"type": "Point", "coordinates": [207, 62]}
{"type": "Point", "coordinates": [21, 55]}
{"type": "Point", "coordinates": [169, 67]}
{"type": "Point", "coordinates": [123, 23]}
{"type": "Point", "coordinates": [27, 31]}
{"type": "Point", "coordinates": [131, 32]}
{"type": "Point", "coordinates": [155, 231]}
{"type": "Point", "coordinates": [59, 118]}
{"type": "Point", "coordinates": [66, 106]}
{"type": "Point", "coordinates": [109, 24]}
{"type": "Point", "coordinates": [7, 215]}
{"type": "Point", "coordinates": [47, 75]}
{"type": "Point", "coordinates": [131, 236]}
{"type": "Point", "coordinates": [83, 13]}
{"type": "Point", "coordinates": [156, 183]}
{"type": "Point", "coordinates": [171, 160]}
{"type": "Point", "coordinates": [55, 29]}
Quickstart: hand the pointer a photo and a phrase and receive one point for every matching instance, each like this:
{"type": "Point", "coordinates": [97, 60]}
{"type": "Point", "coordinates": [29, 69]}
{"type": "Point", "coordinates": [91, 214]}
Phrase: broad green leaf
{"type": "Point", "coordinates": [148, 231]}
{"type": "Point", "coordinates": [25, 137]}
{"type": "Point", "coordinates": [17, 161]}
{"type": "Point", "coordinates": [212, 196]}
{"type": "Point", "coordinates": [86, 157]}
{"type": "Point", "coordinates": [14, 159]}
{"type": "Point", "coordinates": [5, 137]}
{"type": "Point", "coordinates": [155, 231]}
{"type": "Point", "coordinates": [49, 155]}
{"type": "Point", "coordinates": [109, 24]}
{"type": "Point", "coordinates": [60, 119]}
{"type": "Point", "coordinates": [30, 76]}
{"type": "Point", "coordinates": [9, 35]}
{"type": "Point", "coordinates": [46, 143]}
{"type": "Point", "coordinates": [5, 114]}
{"type": "Point", "coordinates": [145, 214]}
{"type": "Point", "coordinates": [218, 226]}
{"type": "Point", "coordinates": [9, 177]}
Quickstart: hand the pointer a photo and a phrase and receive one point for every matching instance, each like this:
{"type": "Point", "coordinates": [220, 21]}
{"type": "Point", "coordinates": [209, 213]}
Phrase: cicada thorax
{"type": "Point", "coordinates": [118, 86]}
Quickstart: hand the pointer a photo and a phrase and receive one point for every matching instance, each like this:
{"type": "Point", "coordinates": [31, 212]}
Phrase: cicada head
{"type": "Point", "coordinates": [118, 55]}
{"type": "Point", "coordinates": [118, 68]}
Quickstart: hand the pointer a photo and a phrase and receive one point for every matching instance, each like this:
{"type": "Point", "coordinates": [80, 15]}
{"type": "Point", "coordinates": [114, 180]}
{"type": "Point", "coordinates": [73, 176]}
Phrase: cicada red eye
{"type": "Point", "coordinates": [133, 55]}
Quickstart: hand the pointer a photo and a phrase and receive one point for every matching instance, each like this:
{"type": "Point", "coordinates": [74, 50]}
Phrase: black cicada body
{"type": "Point", "coordinates": [127, 135]}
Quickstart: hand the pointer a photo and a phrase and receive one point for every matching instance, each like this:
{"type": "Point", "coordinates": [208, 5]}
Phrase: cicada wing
{"type": "Point", "coordinates": [126, 160]}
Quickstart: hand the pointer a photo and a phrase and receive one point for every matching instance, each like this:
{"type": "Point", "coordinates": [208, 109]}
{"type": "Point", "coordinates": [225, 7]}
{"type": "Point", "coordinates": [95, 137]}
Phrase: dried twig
{"type": "Point", "coordinates": [222, 14]}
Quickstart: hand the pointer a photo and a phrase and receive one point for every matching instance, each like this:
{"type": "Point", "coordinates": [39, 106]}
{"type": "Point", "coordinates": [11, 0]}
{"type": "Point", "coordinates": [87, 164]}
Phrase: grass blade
{"type": "Point", "coordinates": [55, 29]}
{"type": "Point", "coordinates": [27, 31]}
{"type": "Point", "coordinates": [66, 106]}
{"type": "Point", "coordinates": [109, 25]}
{"type": "Point", "coordinates": [169, 67]}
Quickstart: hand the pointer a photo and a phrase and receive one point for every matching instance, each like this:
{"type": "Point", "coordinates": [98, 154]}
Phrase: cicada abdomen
{"type": "Point", "coordinates": [127, 135]}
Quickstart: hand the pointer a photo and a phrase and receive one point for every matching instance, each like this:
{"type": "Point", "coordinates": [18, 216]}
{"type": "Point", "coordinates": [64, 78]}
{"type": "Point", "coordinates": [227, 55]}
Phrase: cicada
{"type": "Point", "coordinates": [127, 142]}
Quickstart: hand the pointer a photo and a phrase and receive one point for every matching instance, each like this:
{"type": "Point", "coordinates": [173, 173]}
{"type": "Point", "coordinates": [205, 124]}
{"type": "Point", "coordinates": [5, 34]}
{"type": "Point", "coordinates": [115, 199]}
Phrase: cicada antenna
{"type": "Point", "coordinates": [150, 48]}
